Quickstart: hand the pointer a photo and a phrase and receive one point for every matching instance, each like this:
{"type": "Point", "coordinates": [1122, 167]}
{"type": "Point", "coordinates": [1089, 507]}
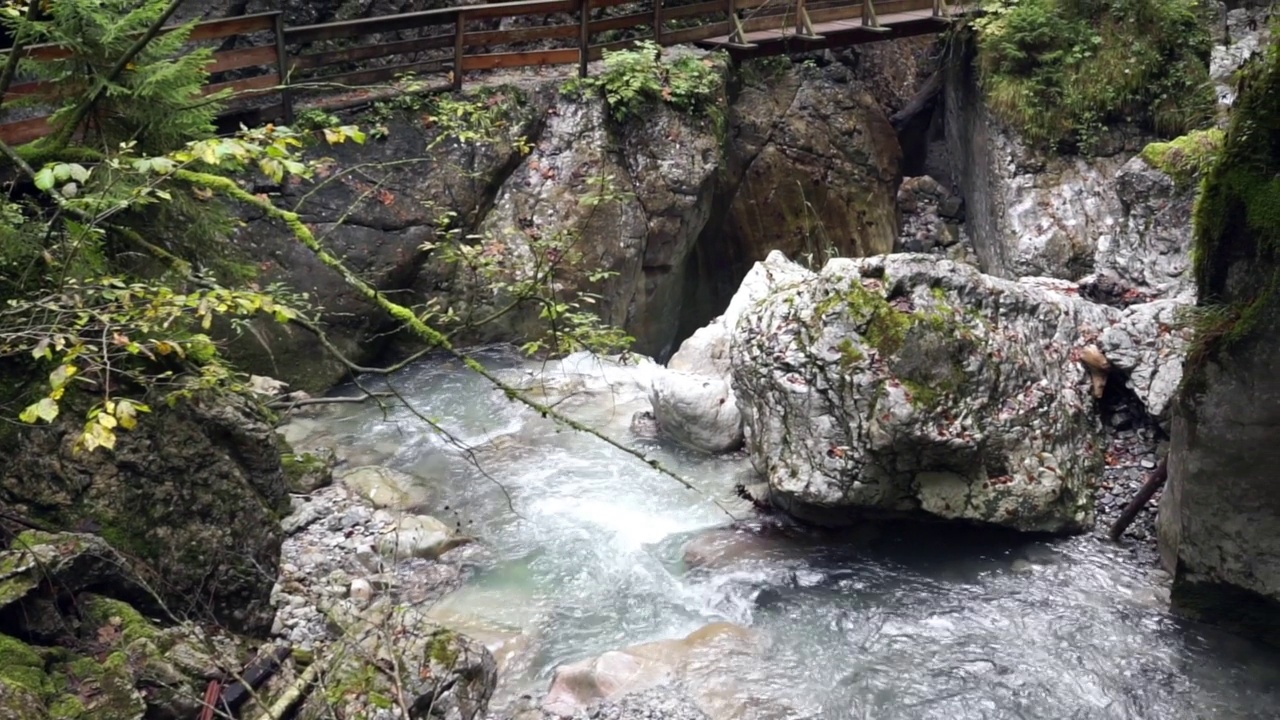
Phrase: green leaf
{"type": "Point", "coordinates": [59, 377]}
{"type": "Point", "coordinates": [45, 179]}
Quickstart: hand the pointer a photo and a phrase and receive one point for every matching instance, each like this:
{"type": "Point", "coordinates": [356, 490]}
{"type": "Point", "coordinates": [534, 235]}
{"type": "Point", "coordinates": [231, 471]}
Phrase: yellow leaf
{"type": "Point", "coordinates": [107, 421]}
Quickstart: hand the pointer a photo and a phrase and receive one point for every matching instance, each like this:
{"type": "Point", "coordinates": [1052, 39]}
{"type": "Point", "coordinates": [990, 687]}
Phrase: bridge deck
{"type": "Point", "coordinates": [848, 31]}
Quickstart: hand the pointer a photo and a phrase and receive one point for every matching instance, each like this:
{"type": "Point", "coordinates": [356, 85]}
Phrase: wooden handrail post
{"type": "Point", "coordinates": [584, 36]}
{"type": "Point", "coordinates": [459, 47]}
{"type": "Point", "coordinates": [284, 68]}
{"type": "Point", "coordinates": [657, 21]}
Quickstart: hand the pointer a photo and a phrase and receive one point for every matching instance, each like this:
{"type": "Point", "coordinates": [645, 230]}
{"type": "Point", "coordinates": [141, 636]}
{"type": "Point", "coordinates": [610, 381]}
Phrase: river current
{"type": "Point", "coordinates": [584, 552]}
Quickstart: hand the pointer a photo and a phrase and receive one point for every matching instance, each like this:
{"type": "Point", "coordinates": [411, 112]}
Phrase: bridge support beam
{"type": "Point", "coordinates": [869, 19]}
{"type": "Point", "coordinates": [804, 26]}
{"type": "Point", "coordinates": [738, 36]}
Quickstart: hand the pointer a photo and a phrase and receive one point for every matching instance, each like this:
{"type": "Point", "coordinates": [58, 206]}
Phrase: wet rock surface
{"type": "Point", "coordinates": [857, 392]}
{"type": "Point", "coordinates": [190, 497]}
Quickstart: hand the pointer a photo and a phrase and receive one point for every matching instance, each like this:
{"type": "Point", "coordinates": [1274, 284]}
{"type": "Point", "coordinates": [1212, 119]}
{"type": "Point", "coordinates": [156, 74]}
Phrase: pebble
{"type": "Point", "coordinates": [1131, 452]}
{"type": "Point", "coordinates": [329, 558]}
{"type": "Point", "coordinates": [361, 592]}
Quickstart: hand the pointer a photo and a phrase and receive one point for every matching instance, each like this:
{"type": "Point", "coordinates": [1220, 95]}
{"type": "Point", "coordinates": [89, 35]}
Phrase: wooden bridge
{"type": "Point", "coordinates": [270, 67]}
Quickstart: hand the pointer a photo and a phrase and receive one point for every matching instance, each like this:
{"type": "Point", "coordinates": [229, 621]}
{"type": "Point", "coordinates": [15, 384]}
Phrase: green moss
{"type": "Point", "coordinates": [443, 650]}
{"type": "Point", "coordinates": [67, 707]}
{"type": "Point", "coordinates": [850, 355]}
{"type": "Point", "coordinates": [1186, 158]}
{"type": "Point", "coordinates": [1060, 71]}
{"type": "Point", "coordinates": [304, 472]}
{"type": "Point", "coordinates": [107, 686]}
{"type": "Point", "coordinates": [1236, 246]}
{"type": "Point", "coordinates": [105, 611]}
{"type": "Point", "coordinates": [22, 666]}
{"type": "Point", "coordinates": [921, 394]}
{"type": "Point", "coordinates": [884, 326]}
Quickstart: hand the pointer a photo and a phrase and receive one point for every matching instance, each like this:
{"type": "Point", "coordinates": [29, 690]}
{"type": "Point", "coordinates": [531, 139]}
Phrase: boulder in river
{"type": "Point", "coordinates": [420, 536]}
{"type": "Point", "coordinates": [693, 402]}
{"type": "Point", "coordinates": [905, 385]}
{"type": "Point", "coordinates": [640, 667]}
{"type": "Point", "coordinates": [386, 488]}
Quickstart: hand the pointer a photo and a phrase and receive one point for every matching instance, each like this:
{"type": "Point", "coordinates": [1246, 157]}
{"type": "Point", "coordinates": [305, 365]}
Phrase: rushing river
{"type": "Point", "coordinates": [584, 553]}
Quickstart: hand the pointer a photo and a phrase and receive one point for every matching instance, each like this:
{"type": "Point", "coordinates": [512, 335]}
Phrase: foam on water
{"type": "Point", "coordinates": [912, 626]}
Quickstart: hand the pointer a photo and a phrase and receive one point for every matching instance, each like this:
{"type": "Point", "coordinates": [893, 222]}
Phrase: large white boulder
{"type": "Point", "coordinates": [907, 385]}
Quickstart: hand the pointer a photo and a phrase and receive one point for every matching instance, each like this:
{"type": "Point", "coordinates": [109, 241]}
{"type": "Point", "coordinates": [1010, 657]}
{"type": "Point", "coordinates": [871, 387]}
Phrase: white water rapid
{"type": "Point", "coordinates": [905, 623]}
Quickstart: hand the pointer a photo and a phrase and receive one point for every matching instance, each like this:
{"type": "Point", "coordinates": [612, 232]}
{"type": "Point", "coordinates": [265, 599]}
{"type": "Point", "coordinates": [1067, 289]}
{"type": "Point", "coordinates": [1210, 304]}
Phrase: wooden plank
{"type": "Point", "coordinates": [208, 30]}
{"type": "Point", "coordinates": [375, 75]}
{"type": "Point", "coordinates": [502, 37]}
{"type": "Point", "coordinates": [517, 59]}
{"type": "Point", "coordinates": [369, 52]}
{"type": "Point", "coordinates": [369, 26]}
{"type": "Point", "coordinates": [24, 131]}
{"type": "Point", "coordinates": [29, 88]}
{"type": "Point", "coordinates": [227, 27]}
{"type": "Point", "coordinates": [702, 32]}
{"type": "Point", "coordinates": [614, 3]}
{"type": "Point", "coordinates": [243, 58]}
{"type": "Point", "coordinates": [702, 8]}
{"type": "Point", "coordinates": [598, 51]}
{"type": "Point", "coordinates": [259, 82]}
{"type": "Point", "coordinates": [515, 9]}
{"type": "Point", "coordinates": [622, 22]}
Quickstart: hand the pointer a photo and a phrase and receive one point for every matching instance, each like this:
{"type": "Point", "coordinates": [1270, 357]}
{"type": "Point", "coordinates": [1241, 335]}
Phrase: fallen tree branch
{"type": "Point", "coordinates": [1153, 483]}
{"type": "Point", "coordinates": [406, 316]}
{"type": "Point", "coordinates": [284, 704]}
{"type": "Point", "coordinates": [290, 404]}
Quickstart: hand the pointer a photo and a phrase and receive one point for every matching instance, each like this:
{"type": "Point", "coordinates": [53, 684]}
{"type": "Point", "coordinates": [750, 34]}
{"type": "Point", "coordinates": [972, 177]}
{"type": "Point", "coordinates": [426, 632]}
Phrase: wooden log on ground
{"type": "Point", "coordinates": [1153, 483]}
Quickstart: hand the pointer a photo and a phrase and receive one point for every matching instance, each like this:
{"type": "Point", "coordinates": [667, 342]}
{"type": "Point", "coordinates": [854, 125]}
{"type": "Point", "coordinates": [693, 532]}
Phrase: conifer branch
{"type": "Point", "coordinates": [15, 53]}
{"type": "Point", "coordinates": [82, 110]}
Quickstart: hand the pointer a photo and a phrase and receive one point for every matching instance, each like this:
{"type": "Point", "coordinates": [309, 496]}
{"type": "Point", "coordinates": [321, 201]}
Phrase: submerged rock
{"type": "Point", "coordinates": [908, 385]}
{"type": "Point", "coordinates": [618, 673]}
{"type": "Point", "coordinates": [386, 488]}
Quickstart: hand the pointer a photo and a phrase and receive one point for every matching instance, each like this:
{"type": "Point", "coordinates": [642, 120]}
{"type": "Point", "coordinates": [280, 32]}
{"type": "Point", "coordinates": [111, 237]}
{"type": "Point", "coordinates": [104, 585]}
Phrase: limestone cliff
{"type": "Point", "coordinates": [1220, 515]}
{"type": "Point", "coordinates": [793, 158]}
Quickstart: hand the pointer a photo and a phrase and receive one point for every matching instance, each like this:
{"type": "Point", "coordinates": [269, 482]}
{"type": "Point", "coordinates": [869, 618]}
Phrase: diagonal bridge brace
{"type": "Point", "coordinates": [869, 19]}
{"type": "Point", "coordinates": [804, 26]}
{"type": "Point", "coordinates": [738, 37]}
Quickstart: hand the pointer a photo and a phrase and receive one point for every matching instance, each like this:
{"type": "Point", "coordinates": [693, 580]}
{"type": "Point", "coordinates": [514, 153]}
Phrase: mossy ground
{"type": "Point", "coordinates": [1061, 71]}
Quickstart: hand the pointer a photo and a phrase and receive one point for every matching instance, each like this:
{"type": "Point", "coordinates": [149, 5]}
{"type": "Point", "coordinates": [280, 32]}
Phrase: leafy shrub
{"type": "Point", "coordinates": [1061, 70]}
{"type": "Point", "coordinates": [634, 78]}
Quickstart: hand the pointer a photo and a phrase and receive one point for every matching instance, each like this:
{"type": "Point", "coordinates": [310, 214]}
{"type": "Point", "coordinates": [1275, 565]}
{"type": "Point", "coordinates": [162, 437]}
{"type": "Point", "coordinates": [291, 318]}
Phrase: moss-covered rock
{"type": "Point", "coordinates": [23, 681]}
{"type": "Point", "coordinates": [441, 673]}
{"type": "Point", "coordinates": [906, 386]}
{"type": "Point", "coordinates": [309, 471]}
{"type": "Point", "coordinates": [1220, 513]}
{"type": "Point", "coordinates": [191, 499]}
{"type": "Point", "coordinates": [1185, 158]}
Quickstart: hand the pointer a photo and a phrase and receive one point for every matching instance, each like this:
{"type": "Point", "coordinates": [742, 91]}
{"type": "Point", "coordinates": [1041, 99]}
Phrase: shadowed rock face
{"type": "Point", "coordinates": [685, 204]}
{"type": "Point", "coordinates": [1220, 515]}
{"type": "Point", "coordinates": [192, 497]}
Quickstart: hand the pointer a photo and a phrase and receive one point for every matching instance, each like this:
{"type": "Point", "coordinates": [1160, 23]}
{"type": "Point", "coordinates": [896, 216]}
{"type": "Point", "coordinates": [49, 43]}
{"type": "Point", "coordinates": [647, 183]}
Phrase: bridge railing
{"type": "Point", "coordinates": [265, 63]}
